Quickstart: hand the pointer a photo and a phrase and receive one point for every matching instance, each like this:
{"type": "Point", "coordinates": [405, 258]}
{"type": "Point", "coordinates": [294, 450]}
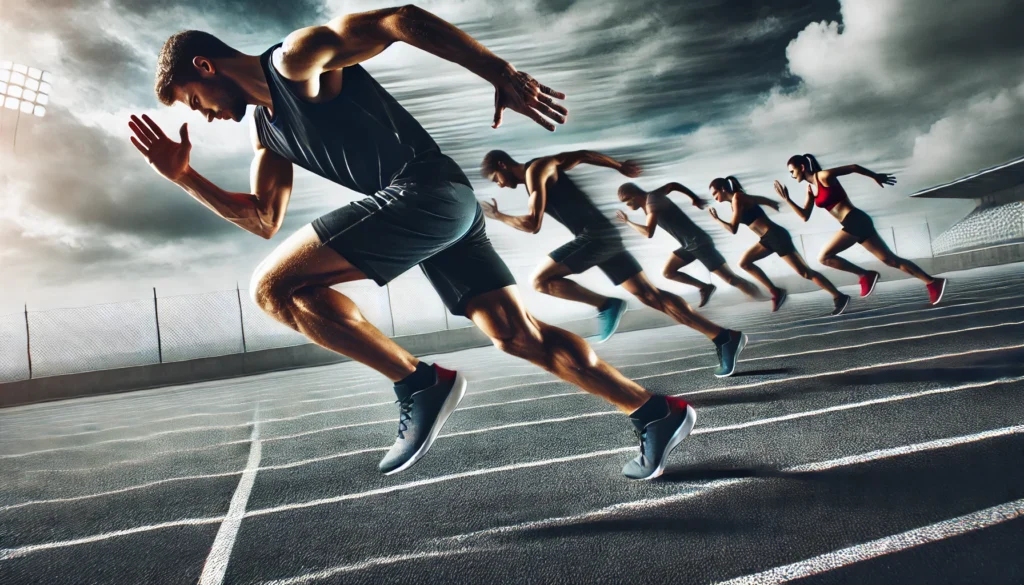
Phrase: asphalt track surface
{"type": "Point", "coordinates": [882, 446]}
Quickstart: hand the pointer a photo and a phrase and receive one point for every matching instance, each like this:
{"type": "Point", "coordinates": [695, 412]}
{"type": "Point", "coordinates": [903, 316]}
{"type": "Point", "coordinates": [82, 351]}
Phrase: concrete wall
{"type": "Point", "coordinates": [308, 355]}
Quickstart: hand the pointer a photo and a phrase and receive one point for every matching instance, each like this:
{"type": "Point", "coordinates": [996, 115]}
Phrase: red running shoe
{"type": "Point", "coordinates": [936, 290]}
{"type": "Point", "coordinates": [868, 282]}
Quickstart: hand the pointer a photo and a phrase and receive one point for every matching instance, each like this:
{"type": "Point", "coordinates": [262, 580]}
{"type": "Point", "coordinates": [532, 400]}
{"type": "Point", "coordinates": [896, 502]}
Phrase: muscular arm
{"type": "Point", "coordinates": [805, 211]}
{"type": "Point", "coordinates": [260, 212]}
{"type": "Point", "coordinates": [648, 228]}
{"type": "Point", "coordinates": [353, 38]}
{"type": "Point", "coordinates": [680, 188]}
{"type": "Point", "coordinates": [570, 160]}
{"type": "Point", "coordinates": [537, 176]}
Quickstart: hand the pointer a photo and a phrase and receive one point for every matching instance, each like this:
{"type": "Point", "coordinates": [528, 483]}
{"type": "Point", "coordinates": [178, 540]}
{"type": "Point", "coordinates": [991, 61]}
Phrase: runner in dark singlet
{"type": "Point", "coordinates": [857, 225]}
{"type": "Point", "coordinates": [596, 243]}
{"type": "Point", "coordinates": [317, 108]}
{"type": "Point", "coordinates": [695, 243]}
{"type": "Point", "coordinates": [746, 209]}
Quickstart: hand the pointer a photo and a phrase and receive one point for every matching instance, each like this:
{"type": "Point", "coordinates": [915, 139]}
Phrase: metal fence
{"type": "Point", "coordinates": [36, 344]}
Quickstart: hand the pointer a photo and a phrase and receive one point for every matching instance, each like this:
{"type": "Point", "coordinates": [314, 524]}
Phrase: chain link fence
{"type": "Point", "coordinates": [35, 344]}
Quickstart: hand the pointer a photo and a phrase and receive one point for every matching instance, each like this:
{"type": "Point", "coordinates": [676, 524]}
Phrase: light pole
{"type": "Point", "coordinates": [24, 89]}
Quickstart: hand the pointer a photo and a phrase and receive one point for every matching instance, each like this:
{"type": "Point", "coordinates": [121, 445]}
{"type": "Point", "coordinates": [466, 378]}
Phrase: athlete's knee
{"type": "Point", "coordinates": [892, 261]}
{"type": "Point", "coordinates": [827, 259]}
{"type": "Point", "coordinates": [264, 291]}
{"type": "Point", "coordinates": [541, 284]}
{"type": "Point", "coordinates": [747, 265]}
{"type": "Point", "coordinates": [668, 272]}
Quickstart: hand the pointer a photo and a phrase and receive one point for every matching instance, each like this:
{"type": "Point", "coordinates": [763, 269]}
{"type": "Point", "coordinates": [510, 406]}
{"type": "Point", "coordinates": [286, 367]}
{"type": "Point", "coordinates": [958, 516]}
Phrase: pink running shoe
{"type": "Point", "coordinates": [868, 282]}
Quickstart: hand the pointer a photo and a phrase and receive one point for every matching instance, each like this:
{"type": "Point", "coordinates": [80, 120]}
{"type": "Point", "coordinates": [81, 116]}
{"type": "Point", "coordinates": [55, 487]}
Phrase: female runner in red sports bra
{"type": "Point", "coordinates": [857, 225]}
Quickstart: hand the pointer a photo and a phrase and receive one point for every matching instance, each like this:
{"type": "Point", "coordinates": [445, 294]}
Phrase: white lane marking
{"type": "Point", "coordinates": [220, 553]}
{"type": "Point", "coordinates": [132, 488]}
{"type": "Point", "coordinates": [20, 551]}
{"type": "Point", "coordinates": [883, 546]}
{"type": "Point", "coordinates": [546, 462]}
{"type": "Point", "coordinates": [650, 503]}
{"type": "Point", "coordinates": [373, 563]}
{"type": "Point", "coordinates": [13, 553]}
{"type": "Point", "coordinates": [580, 393]}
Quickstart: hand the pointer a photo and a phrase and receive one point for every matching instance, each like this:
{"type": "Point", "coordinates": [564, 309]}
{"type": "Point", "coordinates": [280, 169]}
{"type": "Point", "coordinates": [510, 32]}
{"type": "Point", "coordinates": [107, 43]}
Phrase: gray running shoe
{"type": "Point", "coordinates": [420, 418]}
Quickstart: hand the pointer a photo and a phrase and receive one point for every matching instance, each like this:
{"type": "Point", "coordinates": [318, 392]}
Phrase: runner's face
{"type": "Point", "coordinates": [631, 201]}
{"type": "Point", "coordinates": [795, 173]}
{"type": "Point", "coordinates": [504, 179]}
{"type": "Point", "coordinates": [217, 98]}
{"type": "Point", "coordinates": [718, 194]}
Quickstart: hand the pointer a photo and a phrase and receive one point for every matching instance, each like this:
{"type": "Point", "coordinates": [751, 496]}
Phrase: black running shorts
{"type": "Point", "coordinates": [706, 254]}
{"type": "Point", "coordinates": [778, 240]}
{"type": "Point", "coordinates": [607, 253]}
{"type": "Point", "coordinates": [439, 227]}
{"type": "Point", "coordinates": [859, 225]}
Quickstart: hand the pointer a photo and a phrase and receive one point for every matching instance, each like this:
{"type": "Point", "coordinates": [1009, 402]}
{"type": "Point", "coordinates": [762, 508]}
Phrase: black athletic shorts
{"type": "Point", "coordinates": [778, 240]}
{"type": "Point", "coordinates": [438, 226]}
{"type": "Point", "coordinates": [706, 254]}
{"type": "Point", "coordinates": [859, 225]}
{"type": "Point", "coordinates": [607, 253]}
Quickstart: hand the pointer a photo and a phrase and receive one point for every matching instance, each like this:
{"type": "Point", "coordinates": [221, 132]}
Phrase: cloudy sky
{"type": "Point", "coordinates": [695, 89]}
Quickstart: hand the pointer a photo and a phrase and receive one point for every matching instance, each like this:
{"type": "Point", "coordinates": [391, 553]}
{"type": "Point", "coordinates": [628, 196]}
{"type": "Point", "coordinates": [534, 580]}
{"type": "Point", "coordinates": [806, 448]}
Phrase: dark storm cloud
{"type": "Point", "coordinates": [264, 17]}
{"type": "Point", "coordinates": [100, 185]}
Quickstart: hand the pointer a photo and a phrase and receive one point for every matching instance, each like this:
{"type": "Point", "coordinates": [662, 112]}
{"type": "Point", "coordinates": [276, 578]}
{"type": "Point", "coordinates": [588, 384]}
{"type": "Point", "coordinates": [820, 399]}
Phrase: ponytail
{"type": "Point", "coordinates": [729, 184]}
{"type": "Point", "coordinates": [804, 160]}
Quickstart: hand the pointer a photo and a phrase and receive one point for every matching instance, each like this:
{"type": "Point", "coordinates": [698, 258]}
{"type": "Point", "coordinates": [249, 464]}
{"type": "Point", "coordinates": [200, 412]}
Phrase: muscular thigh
{"type": "Point", "coordinates": [501, 314]}
{"type": "Point", "coordinates": [755, 253]}
{"type": "Point", "coordinates": [549, 268]}
{"type": "Point", "coordinates": [301, 260]}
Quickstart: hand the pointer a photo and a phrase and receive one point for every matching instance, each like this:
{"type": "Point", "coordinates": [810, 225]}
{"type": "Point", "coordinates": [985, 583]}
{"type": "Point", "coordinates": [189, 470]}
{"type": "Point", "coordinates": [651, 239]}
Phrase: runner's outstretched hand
{"type": "Point", "coordinates": [167, 157]}
{"type": "Point", "coordinates": [519, 92]}
{"type": "Point", "coordinates": [631, 169]}
{"type": "Point", "coordinates": [490, 209]}
{"type": "Point", "coordinates": [884, 179]}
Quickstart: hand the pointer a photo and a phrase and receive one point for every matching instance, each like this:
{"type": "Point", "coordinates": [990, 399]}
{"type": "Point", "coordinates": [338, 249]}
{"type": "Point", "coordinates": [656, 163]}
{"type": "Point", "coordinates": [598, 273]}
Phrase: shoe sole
{"type": "Point", "coordinates": [708, 299]}
{"type": "Point", "coordinates": [942, 291]}
{"type": "Point", "coordinates": [739, 350]}
{"type": "Point", "coordinates": [681, 433]}
{"type": "Point", "coordinates": [615, 325]}
{"type": "Point", "coordinates": [842, 310]}
{"type": "Point", "coordinates": [449, 406]}
{"type": "Point", "coordinates": [873, 284]}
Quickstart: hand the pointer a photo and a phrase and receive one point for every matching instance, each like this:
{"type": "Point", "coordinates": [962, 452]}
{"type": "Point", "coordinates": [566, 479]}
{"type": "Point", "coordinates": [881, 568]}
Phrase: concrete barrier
{"type": "Point", "coordinates": [309, 355]}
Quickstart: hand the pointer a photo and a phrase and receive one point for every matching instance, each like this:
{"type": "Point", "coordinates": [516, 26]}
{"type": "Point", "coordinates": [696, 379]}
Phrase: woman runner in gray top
{"type": "Point", "coordinates": [695, 243]}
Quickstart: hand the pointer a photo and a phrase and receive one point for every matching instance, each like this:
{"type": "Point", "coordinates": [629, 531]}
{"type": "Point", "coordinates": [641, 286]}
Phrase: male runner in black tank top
{"type": "Point", "coordinates": [596, 243]}
{"type": "Point", "coordinates": [317, 108]}
{"type": "Point", "coordinates": [694, 243]}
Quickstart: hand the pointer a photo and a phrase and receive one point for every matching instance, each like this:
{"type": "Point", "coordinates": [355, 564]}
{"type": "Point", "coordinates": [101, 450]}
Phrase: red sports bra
{"type": "Point", "coordinates": [829, 197]}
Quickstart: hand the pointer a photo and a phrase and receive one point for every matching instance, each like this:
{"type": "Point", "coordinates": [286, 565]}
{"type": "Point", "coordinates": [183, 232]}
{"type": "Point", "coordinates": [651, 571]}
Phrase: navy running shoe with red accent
{"type": "Point", "coordinates": [777, 299]}
{"type": "Point", "coordinates": [420, 418]}
{"type": "Point", "coordinates": [659, 438]}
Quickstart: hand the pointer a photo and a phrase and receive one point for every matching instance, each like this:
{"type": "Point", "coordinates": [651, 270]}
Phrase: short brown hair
{"type": "Point", "coordinates": [490, 163]}
{"type": "Point", "coordinates": [174, 66]}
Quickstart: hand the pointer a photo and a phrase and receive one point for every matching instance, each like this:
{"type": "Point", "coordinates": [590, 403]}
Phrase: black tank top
{"type": "Point", "coordinates": [571, 207]}
{"type": "Point", "coordinates": [674, 221]}
{"type": "Point", "coordinates": [362, 139]}
{"type": "Point", "coordinates": [752, 214]}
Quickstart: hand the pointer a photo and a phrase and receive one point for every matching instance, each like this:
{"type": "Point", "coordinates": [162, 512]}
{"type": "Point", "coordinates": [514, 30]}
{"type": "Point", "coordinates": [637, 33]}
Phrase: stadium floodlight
{"type": "Point", "coordinates": [25, 89]}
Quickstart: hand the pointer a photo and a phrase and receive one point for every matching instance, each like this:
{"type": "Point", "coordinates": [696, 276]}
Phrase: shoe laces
{"type": "Point", "coordinates": [404, 415]}
{"type": "Point", "coordinates": [642, 437]}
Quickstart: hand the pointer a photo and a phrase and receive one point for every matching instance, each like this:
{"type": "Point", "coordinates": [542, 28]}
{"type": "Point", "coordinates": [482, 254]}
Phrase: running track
{"type": "Point", "coordinates": [884, 446]}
